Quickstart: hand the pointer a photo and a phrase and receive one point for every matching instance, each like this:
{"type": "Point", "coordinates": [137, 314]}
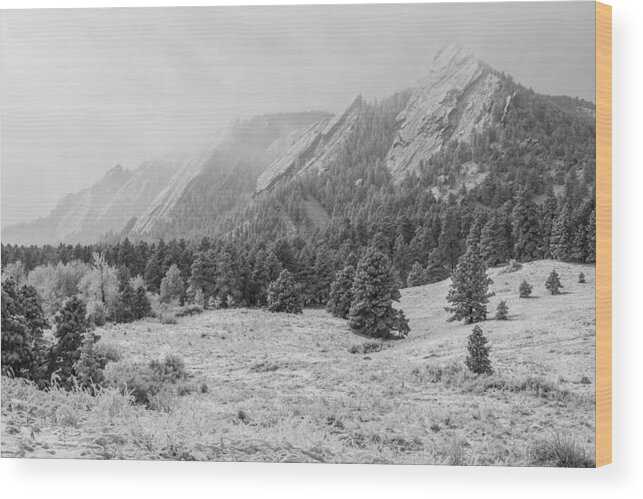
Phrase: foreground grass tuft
{"type": "Point", "coordinates": [560, 451]}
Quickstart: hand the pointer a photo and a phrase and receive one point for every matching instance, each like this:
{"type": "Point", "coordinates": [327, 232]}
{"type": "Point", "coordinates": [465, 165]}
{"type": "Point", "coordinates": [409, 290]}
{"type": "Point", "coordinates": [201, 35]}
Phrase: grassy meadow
{"type": "Point", "coordinates": [305, 388]}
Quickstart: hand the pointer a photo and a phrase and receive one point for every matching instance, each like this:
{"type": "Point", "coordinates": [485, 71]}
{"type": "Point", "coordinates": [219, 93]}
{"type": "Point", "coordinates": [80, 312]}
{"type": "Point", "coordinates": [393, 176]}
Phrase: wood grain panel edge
{"type": "Point", "coordinates": [603, 234]}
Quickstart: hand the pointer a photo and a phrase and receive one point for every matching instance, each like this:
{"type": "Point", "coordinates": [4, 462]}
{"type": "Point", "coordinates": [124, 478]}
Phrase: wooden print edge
{"type": "Point", "coordinates": [603, 234]}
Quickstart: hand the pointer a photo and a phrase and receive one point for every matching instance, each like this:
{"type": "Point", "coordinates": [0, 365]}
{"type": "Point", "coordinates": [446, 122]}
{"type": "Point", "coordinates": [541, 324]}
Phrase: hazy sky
{"type": "Point", "coordinates": [84, 89]}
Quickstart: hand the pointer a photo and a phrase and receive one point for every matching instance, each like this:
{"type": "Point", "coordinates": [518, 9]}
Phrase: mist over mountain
{"type": "Point", "coordinates": [465, 126]}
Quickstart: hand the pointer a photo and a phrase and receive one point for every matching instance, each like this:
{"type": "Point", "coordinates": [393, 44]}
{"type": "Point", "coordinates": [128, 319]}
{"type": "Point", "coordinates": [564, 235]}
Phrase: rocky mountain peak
{"type": "Point", "coordinates": [454, 101]}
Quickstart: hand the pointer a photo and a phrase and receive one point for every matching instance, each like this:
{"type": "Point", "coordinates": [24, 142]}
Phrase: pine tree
{"type": "Point", "coordinates": [495, 247]}
{"type": "Point", "coordinates": [581, 278]}
{"type": "Point", "coordinates": [435, 271]}
{"type": "Point", "coordinates": [553, 284]}
{"type": "Point", "coordinates": [502, 311]}
{"type": "Point", "coordinates": [284, 294]}
{"type": "Point", "coordinates": [88, 369]}
{"type": "Point", "coordinates": [22, 327]}
{"type": "Point", "coordinates": [562, 236]}
{"type": "Point", "coordinates": [374, 291]}
{"type": "Point", "coordinates": [260, 279]}
{"type": "Point", "coordinates": [154, 271]}
{"type": "Point", "coordinates": [141, 307]}
{"type": "Point", "coordinates": [450, 243]}
{"type": "Point", "coordinates": [228, 280]}
{"type": "Point", "coordinates": [469, 292]}
{"type": "Point", "coordinates": [478, 359]}
{"type": "Point", "coordinates": [526, 228]}
{"type": "Point", "coordinates": [172, 286]}
{"type": "Point", "coordinates": [341, 293]}
{"type": "Point", "coordinates": [324, 272]}
{"type": "Point", "coordinates": [71, 324]}
{"type": "Point", "coordinates": [549, 212]}
{"type": "Point", "coordinates": [525, 289]}
{"type": "Point", "coordinates": [591, 237]}
{"type": "Point", "coordinates": [125, 300]}
{"type": "Point", "coordinates": [203, 275]}
{"type": "Point", "coordinates": [417, 276]}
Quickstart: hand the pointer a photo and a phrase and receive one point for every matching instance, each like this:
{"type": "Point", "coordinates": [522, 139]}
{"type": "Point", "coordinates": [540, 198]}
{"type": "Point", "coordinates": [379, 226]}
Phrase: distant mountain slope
{"type": "Point", "coordinates": [106, 206]}
{"type": "Point", "coordinates": [222, 177]}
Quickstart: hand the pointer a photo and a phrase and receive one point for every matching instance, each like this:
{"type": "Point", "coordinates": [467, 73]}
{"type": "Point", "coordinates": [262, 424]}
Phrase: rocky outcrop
{"type": "Point", "coordinates": [314, 148]}
{"type": "Point", "coordinates": [454, 101]}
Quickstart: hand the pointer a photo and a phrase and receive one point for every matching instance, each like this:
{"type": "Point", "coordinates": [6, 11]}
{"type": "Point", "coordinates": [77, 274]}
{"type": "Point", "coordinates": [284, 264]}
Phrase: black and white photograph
{"type": "Point", "coordinates": [303, 234]}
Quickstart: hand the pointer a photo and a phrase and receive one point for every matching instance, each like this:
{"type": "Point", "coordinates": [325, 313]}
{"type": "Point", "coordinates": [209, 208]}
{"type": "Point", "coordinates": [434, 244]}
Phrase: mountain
{"type": "Point", "coordinates": [462, 101]}
{"type": "Point", "coordinates": [108, 205]}
{"type": "Point", "coordinates": [466, 133]}
{"type": "Point", "coordinates": [222, 177]}
{"type": "Point", "coordinates": [172, 194]}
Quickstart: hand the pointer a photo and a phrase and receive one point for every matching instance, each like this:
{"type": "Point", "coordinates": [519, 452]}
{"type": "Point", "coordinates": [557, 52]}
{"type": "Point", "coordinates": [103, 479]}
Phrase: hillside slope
{"type": "Point", "coordinates": [286, 388]}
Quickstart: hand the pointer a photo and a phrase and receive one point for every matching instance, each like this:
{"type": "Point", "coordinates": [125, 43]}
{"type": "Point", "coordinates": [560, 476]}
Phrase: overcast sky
{"type": "Point", "coordinates": [83, 90]}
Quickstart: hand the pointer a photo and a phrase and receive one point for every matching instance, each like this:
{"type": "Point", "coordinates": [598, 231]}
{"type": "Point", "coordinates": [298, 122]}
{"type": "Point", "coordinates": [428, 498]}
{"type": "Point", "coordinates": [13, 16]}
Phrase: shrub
{"type": "Point", "coordinates": [581, 278]}
{"type": "Point", "coordinates": [512, 266]}
{"type": "Point", "coordinates": [168, 318]}
{"type": "Point", "coordinates": [368, 347]}
{"type": "Point", "coordinates": [478, 360]}
{"type": "Point", "coordinates": [525, 289]}
{"type": "Point", "coordinates": [186, 310]}
{"type": "Point", "coordinates": [152, 383]}
{"type": "Point", "coordinates": [110, 351]}
{"type": "Point", "coordinates": [97, 313]}
{"type": "Point", "coordinates": [560, 451]}
{"type": "Point", "coordinates": [502, 311]}
{"type": "Point", "coordinates": [553, 284]}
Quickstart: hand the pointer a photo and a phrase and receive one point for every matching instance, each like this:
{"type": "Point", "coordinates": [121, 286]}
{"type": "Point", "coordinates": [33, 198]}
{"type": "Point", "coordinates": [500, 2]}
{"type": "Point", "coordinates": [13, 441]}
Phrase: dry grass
{"type": "Point", "coordinates": [287, 388]}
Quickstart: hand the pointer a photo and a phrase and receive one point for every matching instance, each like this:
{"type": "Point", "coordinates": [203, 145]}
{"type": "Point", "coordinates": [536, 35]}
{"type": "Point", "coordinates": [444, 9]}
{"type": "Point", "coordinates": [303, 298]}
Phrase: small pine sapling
{"type": "Point", "coordinates": [581, 278]}
{"type": "Point", "coordinates": [478, 360]}
{"type": "Point", "coordinates": [502, 311]}
{"type": "Point", "coordinates": [525, 289]}
{"type": "Point", "coordinates": [553, 284]}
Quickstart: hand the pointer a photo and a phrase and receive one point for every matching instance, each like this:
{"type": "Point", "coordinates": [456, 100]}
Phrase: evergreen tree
{"type": "Point", "coordinates": [495, 246]}
{"type": "Point", "coordinates": [450, 243]}
{"type": "Point", "coordinates": [23, 322]}
{"type": "Point", "coordinates": [260, 279]}
{"type": "Point", "coordinates": [228, 280]}
{"type": "Point", "coordinates": [88, 369]}
{"type": "Point", "coordinates": [526, 228]}
{"type": "Point", "coordinates": [525, 289]}
{"type": "Point", "coordinates": [549, 212]}
{"type": "Point", "coordinates": [562, 237]}
{"type": "Point", "coordinates": [284, 294]}
{"type": "Point", "coordinates": [71, 324]}
{"type": "Point", "coordinates": [469, 292]}
{"type": "Point", "coordinates": [374, 291]}
{"type": "Point", "coordinates": [591, 237]}
{"type": "Point", "coordinates": [154, 271]}
{"type": "Point", "coordinates": [172, 286]}
{"type": "Point", "coordinates": [502, 311]}
{"type": "Point", "coordinates": [478, 359]}
{"type": "Point", "coordinates": [417, 276]}
{"type": "Point", "coordinates": [203, 275]}
{"type": "Point", "coordinates": [553, 284]}
{"type": "Point", "coordinates": [581, 278]}
{"type": "Point", "coordinates": [141, 306]}
{"type": "Point", "coordinates": [341, 293]}
{"type": "Point", "coordinates": [126, 298]}
{"type": "Point", "coordinates": [435, 271]}
{"type": "Point", "coordinates": [324, 272]}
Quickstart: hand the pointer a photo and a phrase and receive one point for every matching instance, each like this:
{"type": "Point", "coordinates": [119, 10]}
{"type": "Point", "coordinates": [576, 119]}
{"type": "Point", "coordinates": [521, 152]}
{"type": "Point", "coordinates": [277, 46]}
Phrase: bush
{"type": "Point", "coordinates": [525, 289]}
{"type": "Point", "coordinates": [502, 311]}
{"type": "Point", "coordinates": [581, 278]}
{"type": "Point", "coordinates": [562, 452]}
{"type": "Point", "coordinates": [168, 318]}
{"type": "Point", "coordinates": [186, 310]}
{"type": "Point", "coordinates": [368, 347]}
{"type": "Point", "coordinates": [110, 351]}
{"type": "Point", "coordinates": [553, 284]}
{"type": "Point", "coordinates": [146, 382]}
{"type": "Point", "coordinates": [97, 313]}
